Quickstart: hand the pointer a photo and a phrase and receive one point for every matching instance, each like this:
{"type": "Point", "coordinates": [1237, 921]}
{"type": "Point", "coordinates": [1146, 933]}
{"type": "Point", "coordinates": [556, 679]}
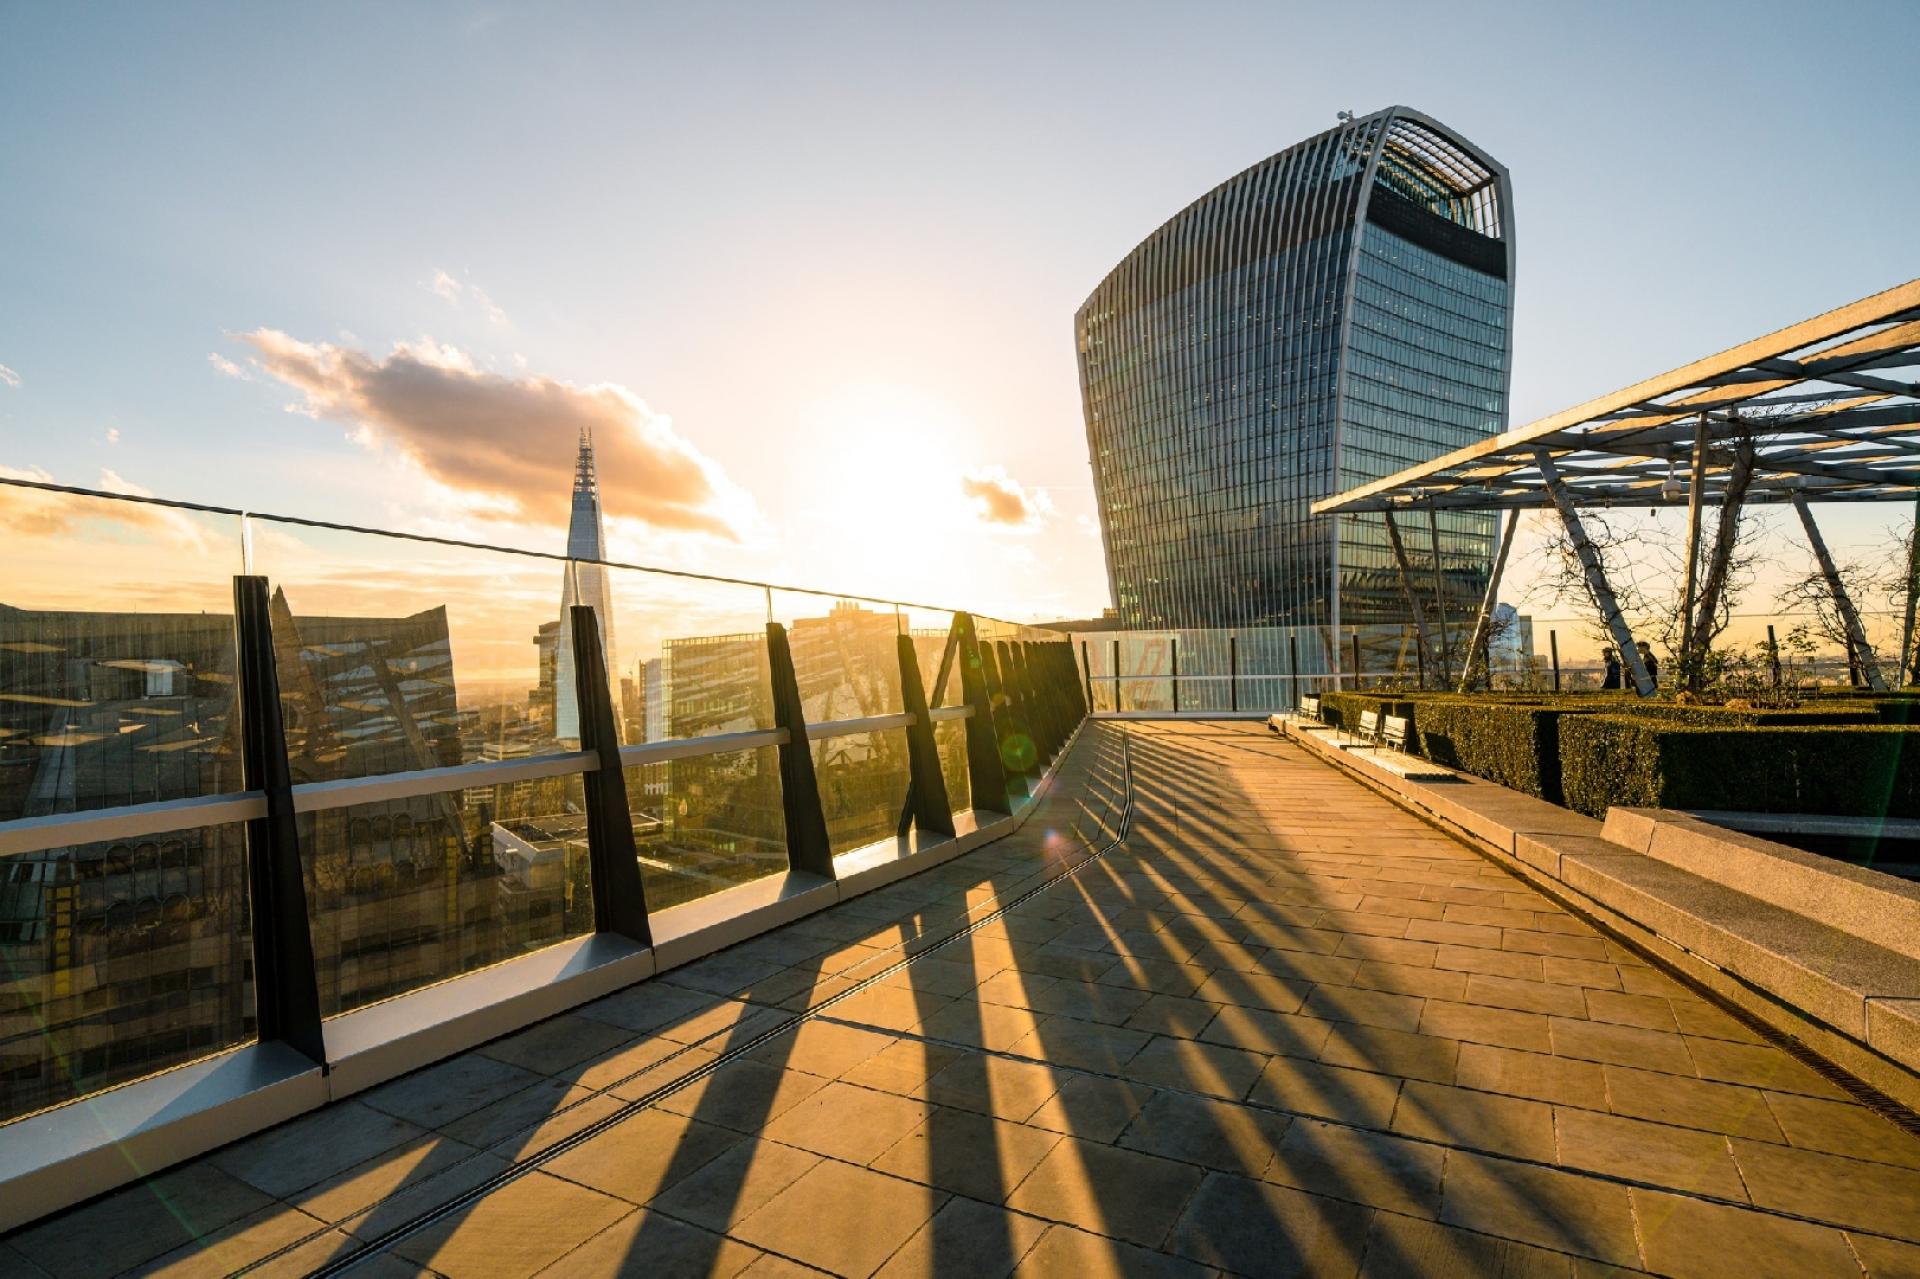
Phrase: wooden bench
{"type": "Point", "coordinates": [1394, 732]}
{"type": "Point", "coordinates": [1369, 726]}
{"type": "Point", "coordinates": [1310, 707]}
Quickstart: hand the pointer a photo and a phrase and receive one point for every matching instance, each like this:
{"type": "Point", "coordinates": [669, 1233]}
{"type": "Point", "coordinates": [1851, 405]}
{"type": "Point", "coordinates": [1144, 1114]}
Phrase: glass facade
{"type": "Point", "coordinates": [1334, 314]}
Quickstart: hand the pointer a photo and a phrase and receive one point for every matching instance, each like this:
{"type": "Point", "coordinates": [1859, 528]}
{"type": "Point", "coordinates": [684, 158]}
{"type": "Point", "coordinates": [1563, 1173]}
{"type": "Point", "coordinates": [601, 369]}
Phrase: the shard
{"type": "Point", "coordinates": [586, 583]}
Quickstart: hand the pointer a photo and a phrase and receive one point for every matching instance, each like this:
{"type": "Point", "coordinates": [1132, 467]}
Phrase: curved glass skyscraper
{"type": "Point", "coordinates": [1333, 314]}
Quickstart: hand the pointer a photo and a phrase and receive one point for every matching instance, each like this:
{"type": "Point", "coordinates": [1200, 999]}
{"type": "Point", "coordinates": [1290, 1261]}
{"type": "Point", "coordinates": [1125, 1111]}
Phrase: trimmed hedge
{"type": "Point", "coordinates": [1343, 710]}
{"type": "Point", "coordinates": [1725, 716]}
{"type": "Point", "coordinates": [1845, 770]}
{"type": "Point", "coordinates": [1516, 744]}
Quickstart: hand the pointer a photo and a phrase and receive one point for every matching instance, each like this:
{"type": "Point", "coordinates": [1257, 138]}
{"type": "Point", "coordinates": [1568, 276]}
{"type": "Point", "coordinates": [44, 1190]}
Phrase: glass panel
{"type": "Point", "coordinates": [707, 824]}
{"type": "Point", "coordinates": [116, 687]}
{"type": "Point", "coordinates": [406, 893]}
{"type": "Point", "coordinates": [845, 656]}
{"type": "Point", "coordinates": [120, 959]}
{"type": "Point", "coordinates": [116, 654]}
{"type": "Point", "coordinates": [691, 659]}
{"type": "Point", "coordinates": [395, 655]}
{"type": "Point", "coordinates": [863, 786]}
{"type": "Point", "coordinates": [950, 740]}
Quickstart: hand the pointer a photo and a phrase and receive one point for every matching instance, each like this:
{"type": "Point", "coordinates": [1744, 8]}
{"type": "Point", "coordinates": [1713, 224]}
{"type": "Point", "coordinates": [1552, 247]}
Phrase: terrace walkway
{"type": "Point", "coordinates": [1281, 1028]}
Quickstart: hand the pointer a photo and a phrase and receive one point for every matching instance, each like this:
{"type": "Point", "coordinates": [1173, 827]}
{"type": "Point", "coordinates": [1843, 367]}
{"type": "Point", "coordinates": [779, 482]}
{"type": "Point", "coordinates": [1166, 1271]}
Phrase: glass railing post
{"type": "Point", "coordinates": [1116, 676]}
{"type": "Point", "coordinates": [613, 859]}
{"type": "Point", "coordinates": [808, 848]}
{"type": "Point", "coordinates": [1233, 673]}
{"type": "Point", "coordinates": [926, 788]}
{"type": "Point", "coordinates": [1010, 740]}
{"type": "Point", "coordinates": [1173, 674]}
{"type": "Point", "coordinates": [1013, 676]}
{"type": "Point", "coordinates": [286, 988]}
{"type": "Point", "coordinates": [986, 776]}
{"type": "Point", "coordinates": [1086, 663]}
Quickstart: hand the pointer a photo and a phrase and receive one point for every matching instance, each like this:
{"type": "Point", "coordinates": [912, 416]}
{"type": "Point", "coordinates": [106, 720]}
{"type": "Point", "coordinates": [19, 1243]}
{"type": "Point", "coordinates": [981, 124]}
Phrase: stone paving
{"type": "Point", "coordinates": [1284, 1028]}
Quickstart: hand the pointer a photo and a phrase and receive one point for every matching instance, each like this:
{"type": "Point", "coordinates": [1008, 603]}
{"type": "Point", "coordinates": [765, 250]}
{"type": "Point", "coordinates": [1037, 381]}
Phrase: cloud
{"type": "Point", "coordinates": [1000, 499]}
{"type": "Point", "coordinates": [8, 377]}
{"type": "Point", "coordinates": [454, 291]}
{"type": "Point", "coordinates": [506, 445]}
{"type": "Point", "coordinates": [113, 435]}
{"type": "Point", "coordinates": [37, 513]}
{"type": "Point", "coordinates": [221, 364]}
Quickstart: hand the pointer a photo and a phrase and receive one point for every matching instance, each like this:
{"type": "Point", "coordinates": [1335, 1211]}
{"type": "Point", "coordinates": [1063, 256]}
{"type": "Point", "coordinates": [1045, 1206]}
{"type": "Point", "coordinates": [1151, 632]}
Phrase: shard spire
{"type": "Point", "coordinates": [586, 583]}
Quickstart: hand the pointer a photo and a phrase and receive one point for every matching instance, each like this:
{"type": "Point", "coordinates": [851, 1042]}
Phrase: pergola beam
{"type": "Point", "coordinates": [1596, 575]}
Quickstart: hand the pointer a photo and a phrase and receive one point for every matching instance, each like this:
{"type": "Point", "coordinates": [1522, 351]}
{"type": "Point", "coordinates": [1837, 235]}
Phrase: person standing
{"type": "Point", "coordinates": [1612, 659]}
{"type": "Point", "coordinates": [1648, 660]}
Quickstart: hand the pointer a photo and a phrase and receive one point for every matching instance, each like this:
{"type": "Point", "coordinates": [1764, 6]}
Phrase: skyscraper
{"type": "Point", "coordinates": [1334, 313]}
{"type": "Point", "coordinates": [586, 583]}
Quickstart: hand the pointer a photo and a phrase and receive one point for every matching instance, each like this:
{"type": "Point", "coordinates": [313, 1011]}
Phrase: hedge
{"type": "Point", "coordinates": [1343, 710]}
{"type": "Point", "coordinates": [1707, 716]}
{"type": "Point", "coordinates": [1516, 744]}
{"type": "Point", "coordinates": [1844, 770]}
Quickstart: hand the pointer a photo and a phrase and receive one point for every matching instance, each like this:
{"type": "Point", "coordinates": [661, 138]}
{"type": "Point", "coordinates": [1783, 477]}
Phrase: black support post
{"type": "Point", "coordinates": [926, 788]}
{"type": "Point", "coordinates": [1233, 673]}
{"type": "Point", "coordinates": [1086, 660]}
{"type": "Point", "coordinates": [1553, 648]}
{"type": "Point", "coordinates": [1116, 676]}
{"type": "Point", "coordinates": [986, 776]}
{"type": "Point", "coordinates": [613, 860]}
{"type": "Point", "coordinates": [808, 849]}
{"type": "Point", "coordinates": [286, 987]}
{"type": "Point", "coordinates": [1293, 668]}
{"type": "Point", "coordinates": [1173, 662]}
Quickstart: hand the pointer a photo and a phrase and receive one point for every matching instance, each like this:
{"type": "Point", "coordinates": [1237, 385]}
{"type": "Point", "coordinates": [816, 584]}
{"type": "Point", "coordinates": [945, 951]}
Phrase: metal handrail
{"type": "Point", "coordinates": [131, 821]}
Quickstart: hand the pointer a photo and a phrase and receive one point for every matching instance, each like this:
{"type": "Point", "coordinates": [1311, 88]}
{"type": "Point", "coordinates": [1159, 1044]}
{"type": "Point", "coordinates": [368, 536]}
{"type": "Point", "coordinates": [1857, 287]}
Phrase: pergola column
{"type": "Point", "coordinates": [1720, 561]}
{"type": "Point", "coordinates": [1483, 625]}
{"type": "Point", "coordinates": [1909, 669]}
{"type": "Point", "coordinates": [1440, 600]}
{"type": "Point", "coordinates": [1406, 591]}
{"type": "Point", "coordinates": [1856, 634]}
{"type": "Point", "coordinates": [1696, 493]}
{"type": "Point", "coordinates": [1596, 573]}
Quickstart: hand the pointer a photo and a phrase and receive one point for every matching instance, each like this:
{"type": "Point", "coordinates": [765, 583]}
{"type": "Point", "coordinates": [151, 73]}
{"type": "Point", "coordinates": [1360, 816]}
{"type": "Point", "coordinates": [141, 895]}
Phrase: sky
{"type": "Point", "coordinates": [808, 271]}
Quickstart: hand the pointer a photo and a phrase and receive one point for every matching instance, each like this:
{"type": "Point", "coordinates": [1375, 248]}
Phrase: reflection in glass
{"type": "Point", "coordinates": [707, 824]}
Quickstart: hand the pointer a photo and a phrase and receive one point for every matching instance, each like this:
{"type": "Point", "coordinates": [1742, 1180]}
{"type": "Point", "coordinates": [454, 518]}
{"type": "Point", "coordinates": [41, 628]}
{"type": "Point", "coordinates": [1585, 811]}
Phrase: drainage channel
{"type": "Point", "coordinates": [530, 1163]}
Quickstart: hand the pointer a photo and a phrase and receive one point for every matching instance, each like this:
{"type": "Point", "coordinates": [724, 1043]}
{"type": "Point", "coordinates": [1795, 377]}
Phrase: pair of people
{"type": "Point", "coordinates": [1612, 659]}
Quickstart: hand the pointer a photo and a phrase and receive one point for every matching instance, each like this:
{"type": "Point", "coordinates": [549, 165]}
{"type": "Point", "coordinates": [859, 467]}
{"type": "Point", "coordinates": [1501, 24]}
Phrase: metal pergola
{"type": "Point", "coordinates": [1827, 410]}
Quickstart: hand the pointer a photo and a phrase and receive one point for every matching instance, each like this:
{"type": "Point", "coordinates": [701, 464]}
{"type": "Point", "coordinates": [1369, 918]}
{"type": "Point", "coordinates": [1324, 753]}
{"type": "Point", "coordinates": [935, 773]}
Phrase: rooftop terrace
{"type": "Point", "coordinates": [1215, 1007]}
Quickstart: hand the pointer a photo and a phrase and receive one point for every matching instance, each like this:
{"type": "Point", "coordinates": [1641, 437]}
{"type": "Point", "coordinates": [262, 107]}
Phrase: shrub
{"type": "Point", "coordinates": [1844, 770]}
{"type": "Point", "coordinates": [1514, 743]}
{"type": "Point", "coordinates": [1343, 709]}
{"type": "Point", "coordinates": [1718, 716]}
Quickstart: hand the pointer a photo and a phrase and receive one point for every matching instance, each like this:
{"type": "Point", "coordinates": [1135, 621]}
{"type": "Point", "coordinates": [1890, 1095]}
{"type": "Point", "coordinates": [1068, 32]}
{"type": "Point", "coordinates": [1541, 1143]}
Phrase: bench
{"type": "Point", "coordinates": [1394, 732]}
{"type": "Point", "coordinates": [1310, 707]}
{"type": "Point", "coordinates": [1369, 726]}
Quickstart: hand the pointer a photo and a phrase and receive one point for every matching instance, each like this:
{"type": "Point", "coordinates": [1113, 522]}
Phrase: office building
{"type": "Point", "coordinates": [1331, 315]}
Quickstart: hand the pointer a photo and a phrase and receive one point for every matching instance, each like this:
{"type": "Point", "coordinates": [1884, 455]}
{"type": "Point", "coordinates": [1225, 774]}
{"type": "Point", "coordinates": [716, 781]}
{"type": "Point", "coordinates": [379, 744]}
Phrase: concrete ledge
{"type": "Point", "coordinates": [1866, 903]}
{"type": "Point", "coordinates": [382, 1041]}
{"type": "Point", "coordinates": [54, 1158]}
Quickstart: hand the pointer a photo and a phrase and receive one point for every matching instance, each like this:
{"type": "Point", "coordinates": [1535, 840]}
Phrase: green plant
{"type": "Point", "coordinates": [1515, 742]}
{"type": "Point", "coordinates": [1834, 769]}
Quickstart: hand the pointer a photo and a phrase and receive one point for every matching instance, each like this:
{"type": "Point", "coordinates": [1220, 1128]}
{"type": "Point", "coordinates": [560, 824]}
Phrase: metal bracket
{"type": "Point", "coordinates": [808, 848]}
{"type": "Point", "coordinates": [285, 982]}
{"type": "Point", "coordinates": [613, 860]}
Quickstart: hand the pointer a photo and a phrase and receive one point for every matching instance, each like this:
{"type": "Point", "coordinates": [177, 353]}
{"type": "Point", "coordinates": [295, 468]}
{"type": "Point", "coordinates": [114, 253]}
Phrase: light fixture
{"type": "Point", "coordinates": [1671, 489]}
